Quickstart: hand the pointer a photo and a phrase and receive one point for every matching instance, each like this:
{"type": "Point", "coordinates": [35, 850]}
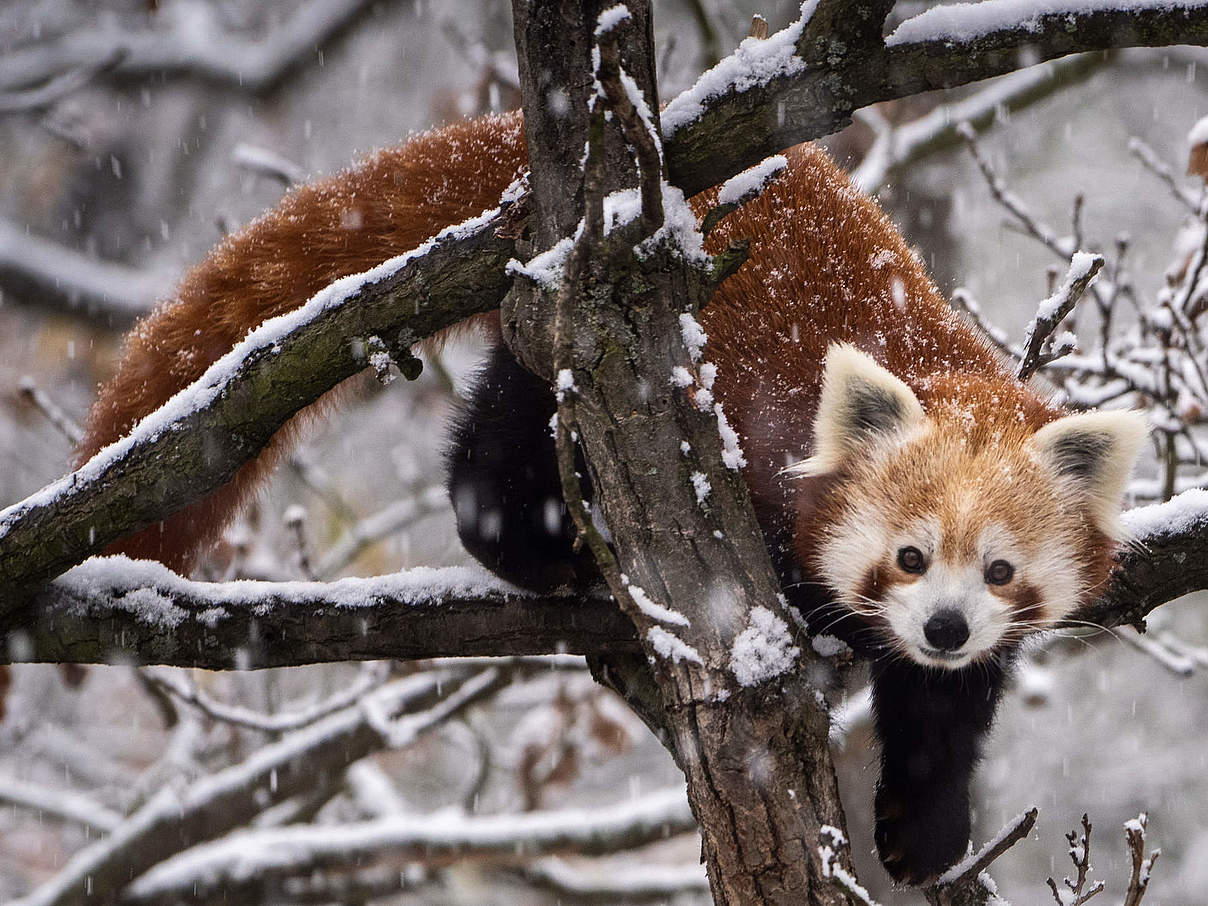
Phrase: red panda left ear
{"type": "Point", "coordinates": [860, 404]}
{"type": "Point", "coordinates": [1094, 454]}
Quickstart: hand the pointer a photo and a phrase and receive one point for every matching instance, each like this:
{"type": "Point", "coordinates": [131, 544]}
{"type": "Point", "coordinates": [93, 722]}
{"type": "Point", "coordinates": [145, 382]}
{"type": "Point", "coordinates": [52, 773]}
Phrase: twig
{"type": "Point", "coordinates": [963, 300]}
{"type": "Point", "coordinates": [58, 87]}
{"type": "Point", "coordinates": [957, 879]}
{"type": "Point", "coordinates": [1052, 311]}
{"type": "Point", "coordinates": [382, 524]}
{"type": "Point", "coordinates": [75, 808]}
{"type": "Point", "coordinates": [267, 163]}
{"type": "Point", "coordinates": [1155, 165]}
{"type": "Point", "coordinates": [1080, 855]}
{"type": "Point", "coordinates": [295, 522]}
{"type": "Point", "coordinates": [1142, 866]}
{"type": "Point", "coordinates": [372, 676]}
{"type": "Point", "coordinates": [36, 397]}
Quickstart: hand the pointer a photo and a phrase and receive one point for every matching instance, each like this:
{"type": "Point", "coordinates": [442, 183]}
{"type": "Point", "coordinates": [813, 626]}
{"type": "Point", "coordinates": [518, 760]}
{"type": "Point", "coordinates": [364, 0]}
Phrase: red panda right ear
{"type": "Point", "coordinates": [861, 403]}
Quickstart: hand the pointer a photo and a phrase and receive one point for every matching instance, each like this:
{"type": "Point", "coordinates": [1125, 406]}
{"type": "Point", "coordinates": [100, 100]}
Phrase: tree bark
{"type": "Point", "coordinates": [756, 758]}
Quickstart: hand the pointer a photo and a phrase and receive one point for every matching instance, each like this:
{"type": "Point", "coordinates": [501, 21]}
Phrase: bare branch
{"type": "Point", "coordinates": [59, 87]}
{"type": "Point", "coordinates": [1080, 855]}
{"type": "Point", "coordinates": [1158, 167]}
{"type": "Point", "coordinates": [651, 882]}
{"type": "Point", "coordinates": [41, 401]}
{"type": "Point", "coordinates": [288, 719]}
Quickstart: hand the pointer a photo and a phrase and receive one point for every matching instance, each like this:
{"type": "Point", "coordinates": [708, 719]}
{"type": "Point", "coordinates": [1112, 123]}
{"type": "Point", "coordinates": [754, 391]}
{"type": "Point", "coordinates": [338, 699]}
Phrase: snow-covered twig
{"type": "Point", "coordinates": [259, 856]}
{"type": "Point", "coordinates": [1076, 892]}
{"type": "Point", "coordinates": [1052, 311]}
{"type": "Point", "coordinates": [385, 522]}
{"type": "Point", "coordinates": [40, 400]}
{"type": "Point", "coordinates": [1158, 167]}
{"type": "Point", "coordinates": [372, 675]}
{"type": "Point", "coordinates": [953, 885]}
{"type": "Point", "coordinates": [1175, 661]}
{"type": "Point", "coordinates": [267, 163]}
{"type": "Point", "coordinates": [651, 882]}
{"type": "Point", "coordinates": [41, 270]}
{"type": "Point", "coordinates": [196, 46]}
{"type": "Point", "coordinates": [1142, 865]}
{"type": "Point", "coordinates": [72, 807]}
{"type": "Point", "coordinates": [174, 820]}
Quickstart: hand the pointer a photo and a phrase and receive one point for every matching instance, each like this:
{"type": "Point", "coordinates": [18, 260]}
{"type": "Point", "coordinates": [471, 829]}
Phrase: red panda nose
{"type": "Point", "coordinates": [947, 629]}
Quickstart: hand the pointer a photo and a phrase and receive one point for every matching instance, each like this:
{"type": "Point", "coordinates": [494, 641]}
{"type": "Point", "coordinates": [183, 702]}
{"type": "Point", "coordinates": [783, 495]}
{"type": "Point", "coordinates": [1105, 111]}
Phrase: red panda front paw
{"type": "Point", "coordinates": [920, 836]}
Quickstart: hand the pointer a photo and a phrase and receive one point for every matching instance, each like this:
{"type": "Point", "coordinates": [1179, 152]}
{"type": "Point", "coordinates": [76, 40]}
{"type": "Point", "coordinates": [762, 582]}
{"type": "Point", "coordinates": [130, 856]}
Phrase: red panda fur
{"type": "Point", "coordinates": [811, 228]}
{"type": "Point", "coordinates": [389, 203]}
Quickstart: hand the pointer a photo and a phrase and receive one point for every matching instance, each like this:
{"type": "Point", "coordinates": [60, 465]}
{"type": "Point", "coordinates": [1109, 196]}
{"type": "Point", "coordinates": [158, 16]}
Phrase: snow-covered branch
{"type": "Point", "coordinates": [114, 610]}
{"type": "Point", "coordinates": [173, 820]}
{"type": "Point", "coordinates": [763, 97]}
{"type": "Point", "coordinates": [193, 44]}
{"type": "Point", "coordinates": [204, 434]}
{"type": "Point", "coordinates": [45, 271]}
{"type": "Point", "coordinates": [259, 857]}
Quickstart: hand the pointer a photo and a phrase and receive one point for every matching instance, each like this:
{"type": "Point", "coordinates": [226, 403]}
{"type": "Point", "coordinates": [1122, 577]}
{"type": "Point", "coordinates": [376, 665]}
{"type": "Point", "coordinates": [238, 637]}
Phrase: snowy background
{"type": "Point", "coordinates": [144, 171]}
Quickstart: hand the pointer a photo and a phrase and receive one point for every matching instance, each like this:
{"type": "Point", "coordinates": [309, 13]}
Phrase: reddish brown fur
{"type": "Point", "coordinates": [390, 203]}
{"type": "Point", "coordinates": [826, 265]}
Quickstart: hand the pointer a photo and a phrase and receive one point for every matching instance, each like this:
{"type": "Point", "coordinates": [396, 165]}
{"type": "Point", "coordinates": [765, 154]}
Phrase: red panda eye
{"type": "Point", "coordinates": [999, 572]}
{"type": "Point", "coordinates": [911, 560]}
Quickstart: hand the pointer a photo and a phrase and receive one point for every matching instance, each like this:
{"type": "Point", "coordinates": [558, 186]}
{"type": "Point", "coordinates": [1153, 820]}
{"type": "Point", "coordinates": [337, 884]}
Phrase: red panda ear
{"type": "Point", "coordinates": [1094, 454]}
{"type": "Point", "coordinates": [861, 403]}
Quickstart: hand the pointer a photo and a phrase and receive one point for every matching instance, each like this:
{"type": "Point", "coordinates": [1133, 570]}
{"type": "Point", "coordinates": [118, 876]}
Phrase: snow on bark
{"type": "Point", "coordinates": [221, 377]}
{"type": "Point", "coordinates": [753, 64]}
{"type": "Point", "coordinates": [966, 22]}
{"type": "Point", "coordinates": [764, 650]}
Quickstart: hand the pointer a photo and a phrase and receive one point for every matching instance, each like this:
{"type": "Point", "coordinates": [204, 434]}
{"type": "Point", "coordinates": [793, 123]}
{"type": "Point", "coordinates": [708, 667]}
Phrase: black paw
{"type": "Point", "coordinates": [919, 838]}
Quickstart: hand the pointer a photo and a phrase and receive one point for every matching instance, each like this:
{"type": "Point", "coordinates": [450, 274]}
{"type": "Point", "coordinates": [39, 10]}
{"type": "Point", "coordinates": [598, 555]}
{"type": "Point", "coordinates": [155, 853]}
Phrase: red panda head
{"type": "Point", "coordinates": [955, 530]}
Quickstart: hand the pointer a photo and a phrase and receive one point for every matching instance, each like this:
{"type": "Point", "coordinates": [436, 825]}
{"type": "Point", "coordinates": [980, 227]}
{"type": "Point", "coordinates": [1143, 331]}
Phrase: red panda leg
{"type": "Point", "coordinates": [503, 481]}
{"type": "Point", "coordinates": [931, 724]}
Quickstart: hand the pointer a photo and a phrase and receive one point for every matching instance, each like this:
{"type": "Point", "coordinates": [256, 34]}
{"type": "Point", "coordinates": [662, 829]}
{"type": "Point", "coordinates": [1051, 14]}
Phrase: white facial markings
{"type": "Point", "coordinates": [947, 586]}
{"type": "Point", "coordinates": [1051, 569]}
{"type": "Point", "coordinates": [851, 550]}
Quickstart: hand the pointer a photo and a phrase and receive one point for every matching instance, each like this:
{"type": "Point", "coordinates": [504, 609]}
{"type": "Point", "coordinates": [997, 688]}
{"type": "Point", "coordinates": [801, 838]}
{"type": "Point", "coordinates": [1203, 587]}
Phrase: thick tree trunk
{"type": "Point", "coordinates": [759, 773]}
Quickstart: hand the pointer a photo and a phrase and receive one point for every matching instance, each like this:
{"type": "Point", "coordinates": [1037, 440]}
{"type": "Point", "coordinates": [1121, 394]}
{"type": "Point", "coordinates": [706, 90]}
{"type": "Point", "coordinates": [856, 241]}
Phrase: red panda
{"type": "Point", "coordinates": [918, 501]}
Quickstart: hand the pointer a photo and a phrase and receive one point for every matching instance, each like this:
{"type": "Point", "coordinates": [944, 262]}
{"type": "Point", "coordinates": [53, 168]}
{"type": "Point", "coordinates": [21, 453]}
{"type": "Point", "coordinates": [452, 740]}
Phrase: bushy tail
{"type": "Point", "coordinates": [389, 203]}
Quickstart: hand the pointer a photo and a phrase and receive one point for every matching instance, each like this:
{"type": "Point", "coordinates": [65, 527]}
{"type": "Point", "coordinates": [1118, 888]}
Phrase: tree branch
{"type": "Point", "coordinates": [115, 610]}
{"type": "Point", "coordinates": [258, 857]}
{"type": "Point", "coordinates": [754, 103]}
{"type": "Point", "coordinates": [246, 62]}
{"type": "Point", "coordinates": [196, 442]}
{"type": "Point", "coordinates": [173, 820]}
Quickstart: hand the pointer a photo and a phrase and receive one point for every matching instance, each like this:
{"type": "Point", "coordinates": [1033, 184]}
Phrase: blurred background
{"type": "Point", "coordinates": [133, 135]}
